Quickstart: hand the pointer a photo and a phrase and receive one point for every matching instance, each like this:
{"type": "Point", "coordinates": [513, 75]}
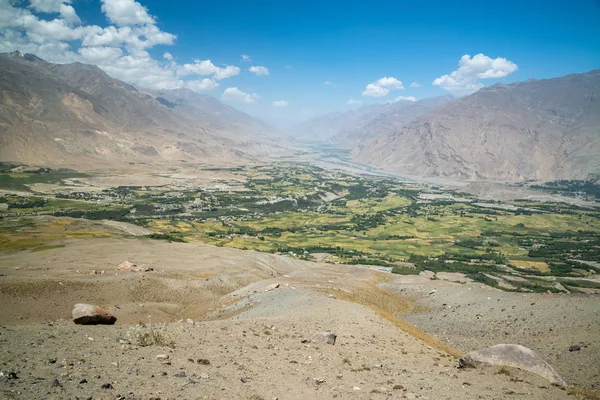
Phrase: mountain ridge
{"type": "Point", "coordinates": [60, 114]}
{"type": "Point", "coordinates": [534, 130]}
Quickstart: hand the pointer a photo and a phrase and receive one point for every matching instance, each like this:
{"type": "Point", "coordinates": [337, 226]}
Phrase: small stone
{"type": "Point", "coordinates": [356, 388]}
{"type": "Point", "coordinates": [190, 321]}
{"type": "Point", "coordinates": [331, 296]}
{"type": "Point", "coordinates": [575, 347]}
{"type": "Point", "coordinates": [398, 387]}
{"type": "Point", "coordinates": [162, 357]}
{"type": "Point", "coordinates": [107, 386]}
{"type": "Point", "coordinates": [244, 380]}
{"type": "Point", "coordinates": [318, 380]}
{"type": "Point", "coordinates": [83, 381]}
{"type": "Point", "coordinates": [12, 375]}
{"type": "Point", "coordinates": [203, 361]}
{"type": "Point", "coordinates": [180, 375]}
{"type": "Point", "coordinates": [56, 383]}
{"type": "Point", "coordinates": [272, 286]}
{"type": "Point", "coordinates": [326, 337]}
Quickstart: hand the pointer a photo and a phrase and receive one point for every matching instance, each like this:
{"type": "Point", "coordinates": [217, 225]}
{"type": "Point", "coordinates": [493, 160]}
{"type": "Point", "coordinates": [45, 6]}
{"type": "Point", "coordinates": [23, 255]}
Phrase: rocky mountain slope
{"type": "Point", "coordinates": [538, 129]}
{"type": "Point", "coordinates": [325, 127]}
{"type": "Point", "coordinates": [64, 114]}
{"type": "Point", "coordinates": [389, 117]}
{"type": "Point", "coordinates": [346, 129]}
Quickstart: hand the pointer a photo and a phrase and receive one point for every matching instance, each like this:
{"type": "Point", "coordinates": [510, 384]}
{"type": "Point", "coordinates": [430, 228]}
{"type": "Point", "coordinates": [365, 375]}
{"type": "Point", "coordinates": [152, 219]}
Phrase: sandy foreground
{"type": "Point", "coordinates": [249, 343]}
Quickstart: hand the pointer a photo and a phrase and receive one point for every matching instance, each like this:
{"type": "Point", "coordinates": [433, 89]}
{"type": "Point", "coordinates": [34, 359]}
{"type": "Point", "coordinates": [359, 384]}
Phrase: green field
{"type": "Point", "coordinates": [301, 210]}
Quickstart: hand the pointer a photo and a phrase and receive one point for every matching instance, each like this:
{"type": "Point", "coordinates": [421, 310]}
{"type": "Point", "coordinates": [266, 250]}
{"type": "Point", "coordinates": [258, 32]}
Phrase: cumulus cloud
{"type": "Point", "coordinates": [235, 94]}
{"type": "Point", "coordinates": [95, 55]}
{"type": "Point", "coordinates": [126, 12]}
{"type": "Point", "coordinates": [259, 70]}
{"type": "Point", "coordinates": [202, 85]}
{"type": "Point", "coordinates": [327, 83]}
{"type": "Point", "coordinates": [466, 79]}
{"type": "Point", "coordinates": [246, 58]}
{"type": "Point", "coordinates": [353, 102]}
{"type": "Point", "coordinates": [206, 67]}
{"type": "Point", "coordinates": [415, 85]}
{"type": "Point", "coordinates": [280, 103]}
{"type": "Point", "coordinates": [382, 87]}
{"type": "Point", "coordinates": [55, 33]}
{"type": "Point", "coordinates": [405, 98]}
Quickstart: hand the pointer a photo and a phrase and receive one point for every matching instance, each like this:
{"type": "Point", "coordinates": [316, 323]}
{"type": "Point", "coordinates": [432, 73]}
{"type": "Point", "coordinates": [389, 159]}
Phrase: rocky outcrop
{"type": "Point", "coordinates": [512, 355]}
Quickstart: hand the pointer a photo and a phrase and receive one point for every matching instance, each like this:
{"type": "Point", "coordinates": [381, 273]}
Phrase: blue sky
{"type": "Point", "coordinates": [304, 44]}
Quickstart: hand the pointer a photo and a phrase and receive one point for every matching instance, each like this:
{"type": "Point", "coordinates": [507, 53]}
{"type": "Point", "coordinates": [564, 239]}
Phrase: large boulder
{"type": "Point", "coordinates": [88, 314]}
{"type": "Point", "coordinates": [512, 355]}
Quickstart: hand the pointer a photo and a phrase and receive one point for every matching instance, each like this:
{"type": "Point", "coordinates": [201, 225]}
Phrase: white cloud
{"type": "Point", "coordinates": [259, 70]}
{"type": "Point", "coordinates": [466, 79]}
{"type": "Point", "coordinates": [246, 58]}
{"type": "Point", "coordinates": [95, 55]}
{"type": "Point", "coordinates": [382, 87]}
{"type": "Point", "coordinates": [47, 6]}
{"type": "Point", "coordinates": [235, 94]}
{"type": "Point", "coordinates": [202, 85]}
{"type": "Point", "coordinates": [327, 83]}
{"type": "Point", "coordinates": [280, 103]}
{"type": "Point", "coordinates": [68, 13]}
{"type": "Point", "coordinates": [415, 85]}
{"type": "Point", "coordinates": [405, 98]}
{"type": "Point", "coordinates": [206, 67]}
{"type": "Point", "coordinates": [126, 12]}
{"type": "Point", "coordinates": [121, 48]}
{"type": "Point", "coordinates": [353, 102]}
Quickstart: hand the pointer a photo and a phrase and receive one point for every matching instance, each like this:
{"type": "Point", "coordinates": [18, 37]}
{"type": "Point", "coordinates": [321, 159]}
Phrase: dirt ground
{"type": "Point", "coordinates": [252, 343]}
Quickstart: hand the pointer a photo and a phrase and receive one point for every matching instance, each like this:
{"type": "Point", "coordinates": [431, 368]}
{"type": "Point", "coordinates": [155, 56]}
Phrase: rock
{"type": "Point", "coordinates": [326, 337]}
{"type": "Point", "coordinates": [189, 321]}
{"type": "Point", "coordinates": [180, 375]}
{"type": "Point", "coordinates": [88, 314]}
{"type": "Point", "coordinates": [162, 357]}
{"type": "Point", "coordinates": [272, 286]}
{"type": "Point", "coordinates": [107, 386]}
{"type": "Point", "coordinates": [244, 380]}
{"type": "Point", "coordinates": [129, 266]}
{"type": "Point", "coordinates": [203, 361]}
{"type": "Point", "coordinates": [331, 296]}
{"type": "Point", "coordinates": [56, 383]}
{"type": "Point", "coordinates": [398, 387]}
{"type": "Point", "coordinates": [512, 355]}
{"type": "Point", "coordinates": [575, 347]}
{"type": "Point", "coordinates": [318, 380]}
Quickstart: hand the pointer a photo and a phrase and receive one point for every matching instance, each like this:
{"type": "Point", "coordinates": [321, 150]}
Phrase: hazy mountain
{"type": "Point", "coordinates": [387, 118]}
{"type": "Point", "coordinates": [73, 113]}
{"type": "Point", "coordinates": [348, 128]}
{"type": "Point", "coordinates": [538, 129]}
{"type": "Point", "coordinates": [325, 127]}
{"type": "Point", "coordinates": [208, 108]}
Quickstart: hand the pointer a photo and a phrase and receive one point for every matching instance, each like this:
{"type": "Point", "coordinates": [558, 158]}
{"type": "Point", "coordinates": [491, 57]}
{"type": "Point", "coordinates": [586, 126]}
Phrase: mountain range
{"type": "Point", "coordinates": [535, 130]}
{"type": "Point", "coordinates": [59, 114]}
{"type": "Point", "coordinates": [67, 114]}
